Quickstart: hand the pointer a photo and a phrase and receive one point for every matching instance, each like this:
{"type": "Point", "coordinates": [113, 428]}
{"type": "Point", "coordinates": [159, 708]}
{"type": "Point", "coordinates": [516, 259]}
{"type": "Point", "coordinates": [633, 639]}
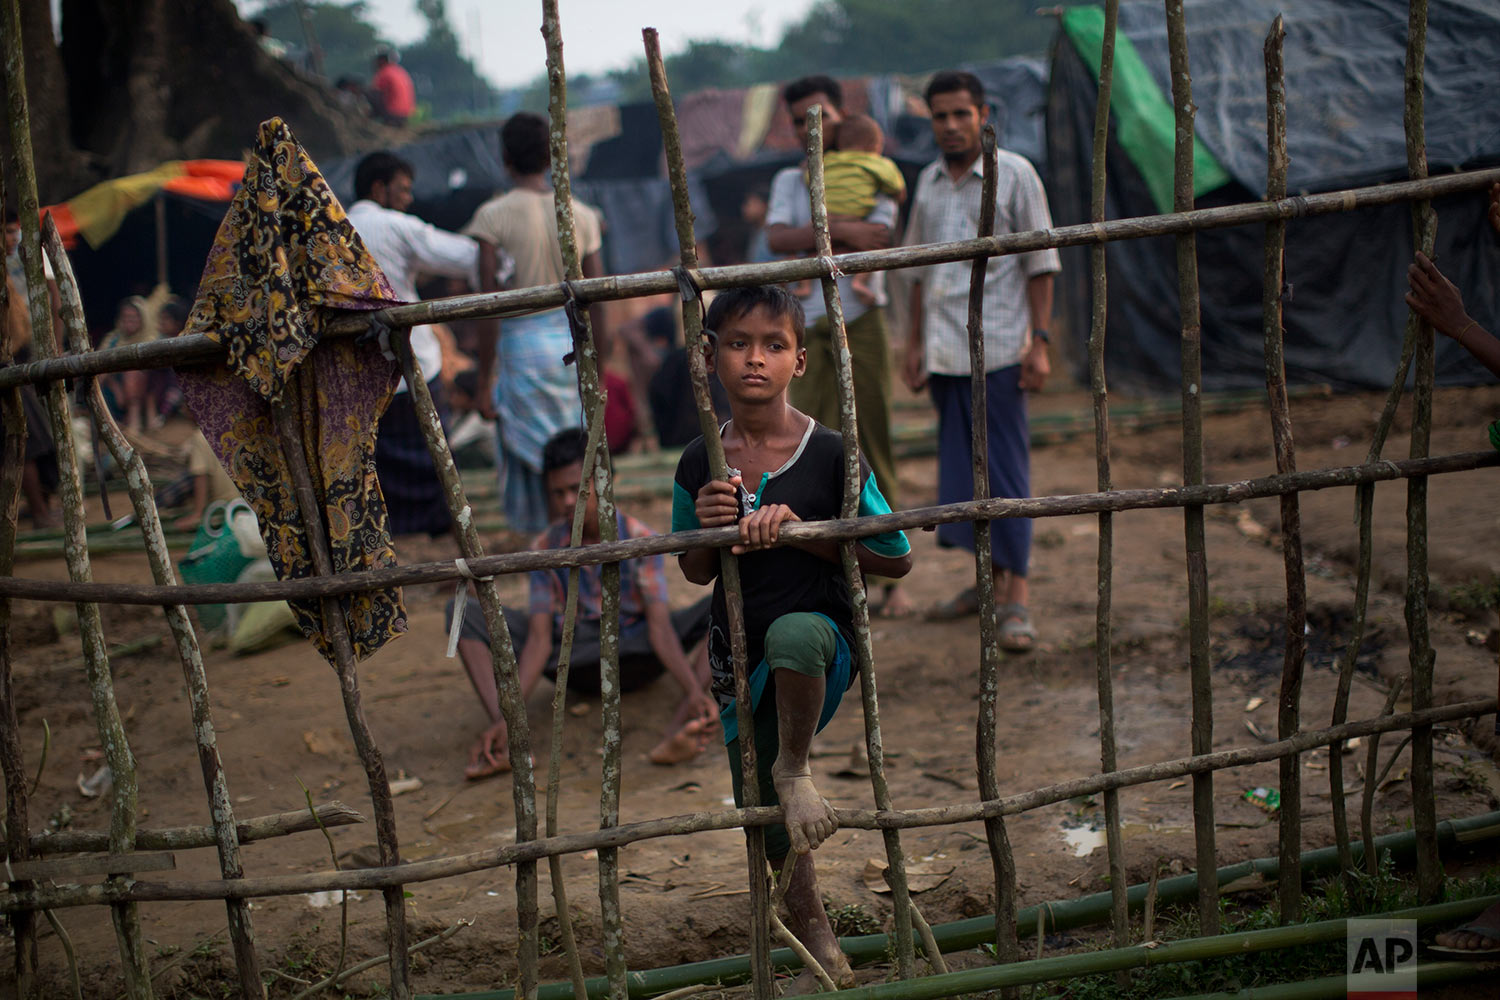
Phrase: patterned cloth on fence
{"type": "Point", "coordinates": [284, 258]}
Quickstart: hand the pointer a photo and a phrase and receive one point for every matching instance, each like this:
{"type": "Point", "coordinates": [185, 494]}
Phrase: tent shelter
{"type": "Point", "coordinates": [1345, 316]}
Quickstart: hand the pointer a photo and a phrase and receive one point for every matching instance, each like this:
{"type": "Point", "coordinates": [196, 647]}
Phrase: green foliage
{"type": "Point", "coordinates": [343, 31]}
{"type": "Point", "coordinates": [852, 919]}
{"type": "Point", "coordinates": [1475, 597]}
{"type": "Point", "coordinates": [447, 82]}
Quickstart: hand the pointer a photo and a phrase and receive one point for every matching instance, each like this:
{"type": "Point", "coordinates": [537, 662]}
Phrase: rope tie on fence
{"type": "Point", "coordinates": [576, 308]}
{"type": "Point", "coordinates": [380, 333]}
{"type": "Point", "coordinates": [691, 290]}
{"type": "Point", "coordinates": [834, 271]}
{"type": "Point", "coordinates": [461, 601]}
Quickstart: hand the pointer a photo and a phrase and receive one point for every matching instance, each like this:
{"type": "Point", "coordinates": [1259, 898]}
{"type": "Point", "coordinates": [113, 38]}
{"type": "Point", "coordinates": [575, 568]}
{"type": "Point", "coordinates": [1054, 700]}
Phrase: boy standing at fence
{"type": "Point", "coordinates": [798, 617]}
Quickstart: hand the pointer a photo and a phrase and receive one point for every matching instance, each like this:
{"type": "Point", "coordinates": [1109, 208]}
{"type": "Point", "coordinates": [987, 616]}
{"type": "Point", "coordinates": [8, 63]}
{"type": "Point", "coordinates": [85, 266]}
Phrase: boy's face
{"type": "Point", "coordinates": [562, 495]}
{"type": "Point", "coordinates": [757, 356]}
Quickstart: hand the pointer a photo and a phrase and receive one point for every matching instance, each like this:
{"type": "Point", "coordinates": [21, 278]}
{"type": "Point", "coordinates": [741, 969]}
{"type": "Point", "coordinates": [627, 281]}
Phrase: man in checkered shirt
{"type": "Point", "coordinates": [1017, 306]}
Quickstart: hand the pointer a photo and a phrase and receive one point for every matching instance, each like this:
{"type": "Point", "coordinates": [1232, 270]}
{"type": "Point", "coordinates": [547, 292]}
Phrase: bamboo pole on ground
{"type": "Point", "coordinates": [995, 508]}
{"type": "Point", "coordinates": [593, 394]}
{"type": "Point", "coordinates": [12, 757]}
{"type": "Point", "coordinates": [1099, 389]}
{"type": "Point", "coordinates": [1192, 460]}
{"type": "Point", "coordinates": [849, 428]}
{"type": "Point", "coordinates": [216, 785]}
{"type": "Point", "coordinates": [431, 869]}
{"type": "Point", "coordinates": [1007, 947]}
{"type": "Point", "coordinates": [295, 415]}
{"type": "Point", "coordinates": [1288, 717]}
{"type": "Point", "coordinates": [196, 348]}
{"type": "Point", "coordinates": [133, 959]}
{"type": "Point", "coordinates": [1424, 228]}
{"type": "Point", "coordinates": [762, 980]}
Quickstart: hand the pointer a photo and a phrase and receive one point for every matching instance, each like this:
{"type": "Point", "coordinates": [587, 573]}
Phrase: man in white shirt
{"type": "Point", "coordinates": [789, 232]}
{"type": "Point", "coordinates": [405, 247]}
{"type": "Point", "coordinates": [1017, 306]}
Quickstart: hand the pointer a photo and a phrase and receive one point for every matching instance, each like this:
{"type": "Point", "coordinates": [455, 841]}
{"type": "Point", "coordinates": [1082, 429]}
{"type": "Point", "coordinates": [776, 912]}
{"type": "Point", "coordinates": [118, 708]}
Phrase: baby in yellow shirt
{"type": "Point", "coordinates": [855, 174]}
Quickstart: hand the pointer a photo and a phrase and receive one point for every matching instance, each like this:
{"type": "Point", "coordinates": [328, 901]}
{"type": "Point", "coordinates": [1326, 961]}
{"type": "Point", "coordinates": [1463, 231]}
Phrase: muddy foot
{"type": "Point", "coordinates": [683, 745]}
{"type": "Point", "coordinates": [810, 820]}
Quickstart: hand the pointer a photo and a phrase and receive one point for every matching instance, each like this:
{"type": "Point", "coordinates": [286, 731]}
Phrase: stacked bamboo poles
{"type": "Point", "coordinates": [593, 395]}
{"type": "Point", "coordinates": [195, 348]}
{"type": "Point", "coordinates": [295, 415]}
{"type": "Point", "coordinates": [12, 757]}
{"type": "Point", "coordinates": [1192, 462]}
{"type": "Point", "coordinates": [133, 960]}
{"type": "Point", "coordinates": [1424, 227]}
{"type": "Point", "coordinates": [1289, 707]}
{"type": "Point", "coordinates": [54, 897]}
{"type": "Point", "coordinates": [849, 428]}
{"type": "Point", "coordinates": [761, 982]}
{"type": "Point", "coordinates": [216, 785]}
{"type": "Point", "coordinates": [1099, 389]}
{"type": "Point", "coordinates": [1007, 947]}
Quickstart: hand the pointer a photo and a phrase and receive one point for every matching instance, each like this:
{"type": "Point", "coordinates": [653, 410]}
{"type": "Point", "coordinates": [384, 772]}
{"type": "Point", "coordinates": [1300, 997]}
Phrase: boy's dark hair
{"type": "Point", "coordinates": [774, 299]}
{"type": "Point", "coordinates": [523, 143]}
{"type": "Point", "coordinates": [12, 217]}
{"type": "Point", "coordinates": [950, 80]}
{"type": "Point", "coordinates": [815, 84]}
{"type": "Point", "coordinates": [175, 309]}
{"type": "Point", "coordinates": [566, 447]}
{"type": "Point", "coordinates": [859, 132]}
{"type": "Point", "coordinates": [380, 167]}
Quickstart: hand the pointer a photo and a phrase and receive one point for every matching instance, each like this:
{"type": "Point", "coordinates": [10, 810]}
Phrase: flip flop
{"type": "Point", "coordinates": [1016, 632]}
{"type": "Point", "coordinates": [1492, 933]}
{"type": "Point", "coordinates": [964, 604]}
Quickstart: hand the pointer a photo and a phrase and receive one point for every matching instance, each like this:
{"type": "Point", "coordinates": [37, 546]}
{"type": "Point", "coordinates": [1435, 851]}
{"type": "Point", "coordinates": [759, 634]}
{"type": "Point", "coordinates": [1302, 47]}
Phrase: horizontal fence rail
{"type": "Point", "coordinates": [197, 348]}
{"type": "Point", "coordinates": [994, 508]}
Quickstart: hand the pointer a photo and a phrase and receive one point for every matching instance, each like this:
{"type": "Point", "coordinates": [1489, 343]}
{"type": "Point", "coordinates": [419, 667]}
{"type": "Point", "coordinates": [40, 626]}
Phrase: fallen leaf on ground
{"type": "Point", "coordinates": [919, 877]}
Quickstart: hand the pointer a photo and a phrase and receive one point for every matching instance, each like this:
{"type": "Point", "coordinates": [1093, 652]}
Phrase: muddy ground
{"type": "Point", "coordinates": [281, 724]}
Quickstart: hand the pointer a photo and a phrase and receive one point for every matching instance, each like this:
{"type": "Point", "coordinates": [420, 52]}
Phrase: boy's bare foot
{"type": "Point", "coordinates": [685, 744]}
{"type": "Point", "coordinates": [1480, 936]}
{"type": "Point", "coordinates": [895, 604]}
{"type": "Point", "coordinates": [810, 820]}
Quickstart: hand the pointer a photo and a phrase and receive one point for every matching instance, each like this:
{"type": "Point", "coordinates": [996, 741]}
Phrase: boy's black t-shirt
{"type": "Point", "coordinates": [786, 579]}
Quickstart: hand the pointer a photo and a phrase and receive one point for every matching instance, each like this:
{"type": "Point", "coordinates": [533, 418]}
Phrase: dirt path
{"type": "Point", "coordinates": [280, 721]}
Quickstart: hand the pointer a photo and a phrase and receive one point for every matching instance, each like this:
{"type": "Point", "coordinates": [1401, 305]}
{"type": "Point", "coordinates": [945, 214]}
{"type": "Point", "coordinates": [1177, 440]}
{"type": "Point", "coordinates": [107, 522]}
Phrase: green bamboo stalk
{"type": "Point", "coordinates": [1099, 389]}
{"type": "Point", "coordinates": [1424, 227]}
{"type": "Point", "coordinates": [849, 427]}
{"type": "Point", "coordinates": [762, 983]}
{"type": "Point", "coordinates": [1192, 456]}
{"type": "Point", "coordinates": [593, 394]}
{"type": "Point", "coordinates": [1289, 706]}
{"type": "Point", "coordinates": [216, 785]}
{"type": "Point", "coordinates": [12, 756]}
{"type": "Point", "coordinates": [133, 959]}
{"type": "Point", "coordinates": [293, 414]}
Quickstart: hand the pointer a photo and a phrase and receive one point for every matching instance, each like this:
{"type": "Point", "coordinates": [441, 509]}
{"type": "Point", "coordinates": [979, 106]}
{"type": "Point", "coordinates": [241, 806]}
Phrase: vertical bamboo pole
{"type": "Point", "coordinates": [592, 391]}
{"type": "Point", "coordinates": [1192, 466]}
{"type": "Point", "coordinates": [12, 757]}
{"type": "Point", "coordinates": [1424, 226]}
{"type": "Point", "coordinates": [295, 416]}
{"type": "Point", "coordinates": [502, 661]}
{"type": "Point", "coordinates": [1289, 712]}
{"type": "Point", "coordinates": [1098, 327]}
{"type": "Point", "coordinates": [559, 707]}
{"type": "Point", "coordinates": [849, 427]}
{"type": "Point", "coordinates": [761, 980]}
{"type": "Point", "coordinates": [117, 755]}
{"type": "Point", "coordinates": [1007, 947]}
{"type": "Point", "coordinates": [221, 810]}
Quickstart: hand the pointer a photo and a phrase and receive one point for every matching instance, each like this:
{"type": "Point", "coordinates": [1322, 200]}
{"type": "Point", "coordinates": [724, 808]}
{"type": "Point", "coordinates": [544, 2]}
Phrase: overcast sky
{"type": "Point", "coordinates": [504, 36]}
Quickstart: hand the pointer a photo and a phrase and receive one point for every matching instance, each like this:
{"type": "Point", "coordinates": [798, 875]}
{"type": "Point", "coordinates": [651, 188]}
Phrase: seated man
{"type": "Point", "coordinates": [651, 635]}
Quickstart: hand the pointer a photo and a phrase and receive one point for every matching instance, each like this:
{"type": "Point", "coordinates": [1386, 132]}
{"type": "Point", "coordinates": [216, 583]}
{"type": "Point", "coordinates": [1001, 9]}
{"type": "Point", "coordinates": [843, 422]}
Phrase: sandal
{"type": "Point", "coordinates": [963, 605]}
{"type": "Point", "coordinates": [1016, 632]}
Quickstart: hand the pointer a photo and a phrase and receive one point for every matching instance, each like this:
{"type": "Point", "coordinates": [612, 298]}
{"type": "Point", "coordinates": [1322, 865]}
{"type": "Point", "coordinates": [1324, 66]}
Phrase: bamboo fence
{"type": "Point", "coordinates": [30, 892]}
